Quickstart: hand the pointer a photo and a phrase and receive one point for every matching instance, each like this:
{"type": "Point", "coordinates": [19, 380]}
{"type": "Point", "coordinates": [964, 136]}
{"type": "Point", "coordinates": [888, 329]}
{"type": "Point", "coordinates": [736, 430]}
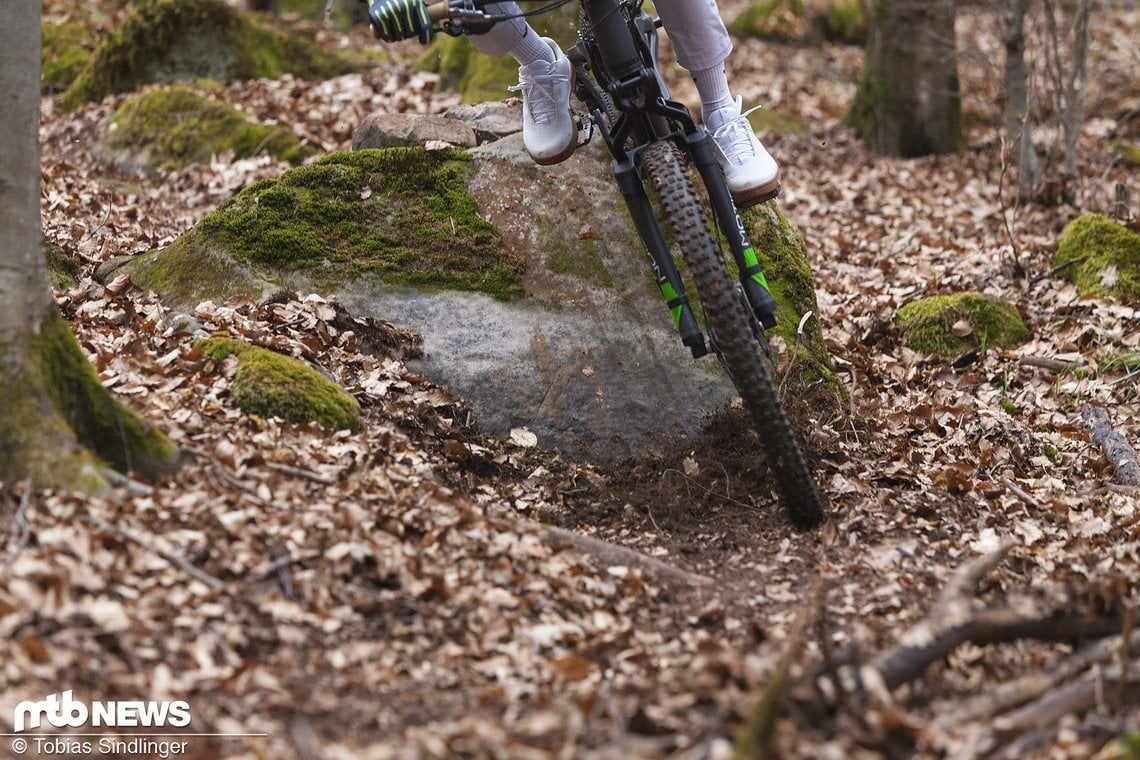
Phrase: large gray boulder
{"type": "Point", "coordinates": [533, 296]}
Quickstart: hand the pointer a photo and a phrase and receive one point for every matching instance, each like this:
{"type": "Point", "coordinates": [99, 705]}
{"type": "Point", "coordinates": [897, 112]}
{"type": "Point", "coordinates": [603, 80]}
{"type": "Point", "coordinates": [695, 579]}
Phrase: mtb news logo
{"type": "Point", "coordinates": [61, 711]}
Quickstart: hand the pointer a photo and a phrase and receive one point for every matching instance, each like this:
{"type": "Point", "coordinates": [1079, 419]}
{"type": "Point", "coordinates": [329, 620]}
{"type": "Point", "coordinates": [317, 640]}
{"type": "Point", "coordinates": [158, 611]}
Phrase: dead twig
{"type": "Point", "coordinates": [756, 737]}
{"type": "Point", "coordinates": [149, 543]}
{"type": "Point", "coordinates": [301, 473]}
{"type": "Point", "coordinates": [612, 554]}
{"type": "Point", "coordinates": [1113, 445]}
{"type": "Point", "coordinates": [1046, 362]}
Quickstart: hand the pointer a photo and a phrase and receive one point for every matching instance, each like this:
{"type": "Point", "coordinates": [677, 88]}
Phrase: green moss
{"type": "Point", "coordinates": [63, 268]}
{"type": "Point", "coordinates": [172, 40]}
{"type": "Point", "coordinates": [845, 22]}
{"type": "Point", "coordinates": [1127, 152]}
{"type": "Point", "coordinates": [175, 126]}
{"type": "Point", "coordinates": [60, 424]}
{"type": "Point", "coordinates": [778, 122]}
{"type": "Point", "coordinates": [928, 324]}
{"type": "Point", "coordinates": [774, 20]}
{"type": "Point", "coordinates": [1103, 257]}
{"type": "Point", "coordinates": [784, 262]}
{"type": "Point", "coordinates": [66, 49]}
{"type": "Point", "coordinates": [269, 384]}
{"type": "Point", "coordinates": [585, 261]}
{"type": "Point", "coordinates": [462, 68]}
{"type": "Point", "coordinates": [872, 101]}
{"type": "Point", "coordinates": [192, 270]}
{"type": "Point", "coordinates": [403, 215]}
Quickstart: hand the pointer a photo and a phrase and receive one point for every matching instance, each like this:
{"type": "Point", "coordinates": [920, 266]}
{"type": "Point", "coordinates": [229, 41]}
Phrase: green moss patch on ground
{"type": "Point", "coordinates": [949, 325]}
{"type": "Point", "coordinates": [800, 22]}
{"type": "Point", "coordinates": [1103, 257]}
{"type": "Point", "coordinates": [178, 40]}
{"type": "Point", "coordinates": [270, 384]}
{"type": "Point", "coordinates": [403, 215]}
{"type": "Point", "coordinates": [170, 127]}
{"type": "Point", "coordinates": [783, 260]}
{"type": "Point", "coordinates": [66, 50]}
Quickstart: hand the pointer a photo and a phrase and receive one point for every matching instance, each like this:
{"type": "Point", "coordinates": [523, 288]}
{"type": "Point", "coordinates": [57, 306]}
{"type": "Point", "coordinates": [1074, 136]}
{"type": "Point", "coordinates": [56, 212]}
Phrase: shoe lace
{"type": "Point", "coordinates": [734, 138]}
{"type": "Point", "coordinates": [538, 91]}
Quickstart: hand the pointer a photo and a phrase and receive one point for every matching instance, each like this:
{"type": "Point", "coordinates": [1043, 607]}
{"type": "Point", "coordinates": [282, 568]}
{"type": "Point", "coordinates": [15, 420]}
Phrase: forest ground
{"type": "Point", "coordinates": [388, 593]}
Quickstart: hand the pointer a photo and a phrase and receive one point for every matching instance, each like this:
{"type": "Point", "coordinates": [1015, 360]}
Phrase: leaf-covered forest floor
{"type": "Point", "coordinates": [391, 592]}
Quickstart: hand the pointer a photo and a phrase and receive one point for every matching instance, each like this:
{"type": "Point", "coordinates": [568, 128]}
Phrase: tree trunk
{"type": "Point", "coordinates": [23, 269]}
{"type": "Point", "coordinates": [907, 103]}
{"type": "Point", "coordinates": [58, 424]}
{"type": "Point", "coordinates": [1017, 125]}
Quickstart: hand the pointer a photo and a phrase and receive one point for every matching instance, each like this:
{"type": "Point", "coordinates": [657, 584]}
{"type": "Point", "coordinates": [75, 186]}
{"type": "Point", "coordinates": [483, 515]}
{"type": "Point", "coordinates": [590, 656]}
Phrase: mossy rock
{"type": "Point", "coordinates": [799, 22]}
{"type": "Point", "coordinates": [783, 260]}
{"type": "Point", "coordinates": [180, 40]}
{"type": "Point", "coordinates": [950, 325]}
{"type": "Point", "coordinates": [764, 120]}
{"type": "Point", "coordinates": [170, 127]}
{"type": "Point", "coordinates": [60, 424]}
{"type": "Point", "coordinates": [66, 49]}
{"type": "Point", "coordinates": [1103, 257]}
{"type": "Point", "coordinates": [400, 215]}
{"type": "Point", "coordinates": [63, 266]}
{"type": "Point", "coordinates": [480, 77]}
{"type": "Point", "coordinates": [270, 384]}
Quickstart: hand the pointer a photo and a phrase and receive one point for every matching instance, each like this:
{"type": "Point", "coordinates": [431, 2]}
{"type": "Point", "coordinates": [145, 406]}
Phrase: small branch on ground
{"type": "Point", "coordinates": [148, 543]}
{"type": "Point", "coordinates": [612, 554]}
{"type": "Point", "coordinates": [1113, 445]}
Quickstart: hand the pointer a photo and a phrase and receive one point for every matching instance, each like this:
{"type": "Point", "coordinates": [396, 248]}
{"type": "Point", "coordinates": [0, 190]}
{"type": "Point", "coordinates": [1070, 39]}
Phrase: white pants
{"type": "Point", "coordinates": [695, 30]}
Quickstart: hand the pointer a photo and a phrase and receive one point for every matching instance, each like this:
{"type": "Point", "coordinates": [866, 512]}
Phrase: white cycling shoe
{"type": "Point", "coordinates": [751, 173]}
{"type": "Point", "coordinates": [549, 130]}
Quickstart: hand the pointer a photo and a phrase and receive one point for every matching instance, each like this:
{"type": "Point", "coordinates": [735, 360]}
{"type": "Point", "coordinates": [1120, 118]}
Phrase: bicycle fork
{"type": "Point", "coordinates": [752, 278]}
{"type": "Point", "coordinates": [664, 270]}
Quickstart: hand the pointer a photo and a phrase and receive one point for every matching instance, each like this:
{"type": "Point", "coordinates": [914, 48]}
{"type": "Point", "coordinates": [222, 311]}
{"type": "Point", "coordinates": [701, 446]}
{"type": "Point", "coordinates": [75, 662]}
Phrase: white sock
{"type": "Point", "coordinates": [712, 86]}
{"type": "Point", "coordinates": [529, 48]}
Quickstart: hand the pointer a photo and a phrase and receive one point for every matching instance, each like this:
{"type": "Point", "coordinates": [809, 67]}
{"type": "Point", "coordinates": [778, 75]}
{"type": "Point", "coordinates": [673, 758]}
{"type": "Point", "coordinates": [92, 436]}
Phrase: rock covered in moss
{"type": "Point", "coordinates": [949, 325]}
{"type": "Point", "coordinates": [803, 21]}
{"type": "Point", "coordinates": [167, 128]}
{"type": "Point", "coordinates": [397, 215]}
{"type": "Point", "coordinates": [270, 384]}
{"type": "Point", "coordinates": [65, 50]}
{"type": "Point", "coordinates": [1103, 257]}
{"type": "Point", "coordinates": [178, 40]}
{"type": "Point", "coordinates": [783, 259]}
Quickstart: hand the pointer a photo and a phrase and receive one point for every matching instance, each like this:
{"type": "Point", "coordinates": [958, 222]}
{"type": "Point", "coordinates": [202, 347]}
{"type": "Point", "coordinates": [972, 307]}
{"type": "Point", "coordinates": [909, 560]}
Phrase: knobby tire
{"type": "Point", "coordinates": [731, 326]}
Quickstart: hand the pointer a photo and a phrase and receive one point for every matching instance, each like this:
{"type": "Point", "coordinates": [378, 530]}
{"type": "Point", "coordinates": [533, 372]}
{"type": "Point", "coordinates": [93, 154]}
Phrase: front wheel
{"type": "Point", "coordinates": [729, 323]}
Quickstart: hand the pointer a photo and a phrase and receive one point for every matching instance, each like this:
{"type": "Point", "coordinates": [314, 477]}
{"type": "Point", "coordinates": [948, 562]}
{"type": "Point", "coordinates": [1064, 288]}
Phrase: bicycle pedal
{"type": "Point", "coordinates": [585, 127]}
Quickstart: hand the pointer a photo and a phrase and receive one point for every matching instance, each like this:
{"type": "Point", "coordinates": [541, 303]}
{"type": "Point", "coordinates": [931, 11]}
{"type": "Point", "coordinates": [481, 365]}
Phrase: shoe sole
{"type": "Point", "coordinates": [757, 195]}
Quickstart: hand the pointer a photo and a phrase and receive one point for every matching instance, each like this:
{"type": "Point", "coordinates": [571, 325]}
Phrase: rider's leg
{"type": "Point", "coordinates": [549, 132]}
{"type": "Point", "coordinates": [702, 44]}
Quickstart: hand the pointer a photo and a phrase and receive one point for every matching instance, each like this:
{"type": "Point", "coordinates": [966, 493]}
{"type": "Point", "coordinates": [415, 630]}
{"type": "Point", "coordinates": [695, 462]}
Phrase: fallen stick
{"type": "Point", "coordinates": [1112, 444]}
{"type": "Point", "coordinates": [955, 620]}
{"type": "Point", "coordinates": [175, 559]}
{"type": "Point", "coordinates": [612, 554]}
